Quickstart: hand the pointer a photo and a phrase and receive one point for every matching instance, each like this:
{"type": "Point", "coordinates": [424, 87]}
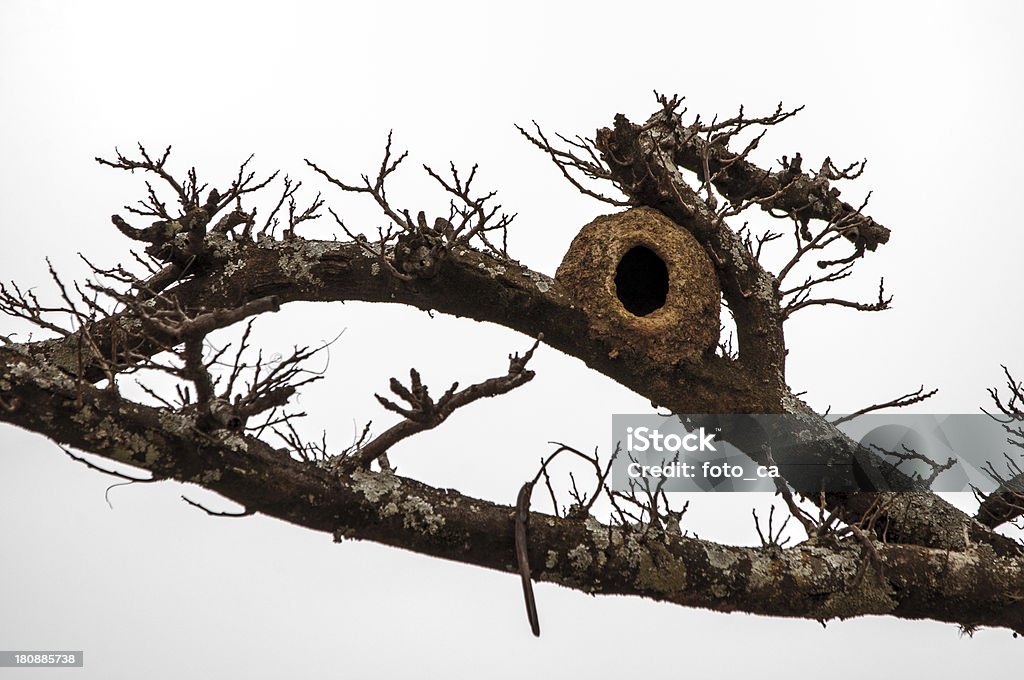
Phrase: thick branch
{"type": "Point", "coordinates": [485, 288]}
{"type": "Point", "coordinates": [810, 196]}
{"type": "Point", "coordinates": [817, 580]}
{"type": "Point", "coordinates": [643, 166]}
{"type": "Point", "coordinates": [471, 284]}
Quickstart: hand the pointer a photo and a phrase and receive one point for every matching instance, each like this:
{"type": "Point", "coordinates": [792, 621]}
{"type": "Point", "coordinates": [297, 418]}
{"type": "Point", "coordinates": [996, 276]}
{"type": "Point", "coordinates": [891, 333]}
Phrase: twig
{"type": "Point", "coordinates": [423, 413]}
{"type": "Point", "coordinates": [216, 513]}
{"type": "Point", "coordinates": [523, 556]}
{"type": "Point", "coordinates": [908, 399]}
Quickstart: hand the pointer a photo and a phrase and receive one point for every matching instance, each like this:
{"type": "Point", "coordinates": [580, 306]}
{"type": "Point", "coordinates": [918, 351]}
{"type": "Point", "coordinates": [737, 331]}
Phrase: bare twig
{"type": "Point", "coordinates": [216, 513]}
{"type": "Point", "coordinates": [523, 556]}
{"type": "Point", "coordinates": [423, 413]}
{"type": "Point", "coordinates": [907, 399]}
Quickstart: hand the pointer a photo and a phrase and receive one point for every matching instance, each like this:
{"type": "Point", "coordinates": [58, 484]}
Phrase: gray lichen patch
{"type": "Point", "coordinates": [121, 444]}
{"type": "Point", "coordinates": [495, 270]}
{"type": "Point", "coordinates": [738, 256]}
{"type": "Point", "coordinates": [208, 477]}
{"type": "Point", "coordinates": [792, 405]}
{"type": "Point", "coordinates": [235, 442]}
{"type": "Point", "coordinates": [298, 268]}
{"type": "Point", "coordinates": [721, 558]}
{"type": "Point", "coordinates": [266, 241]}
{"type": "Point", "coordinates": [375, 485]}
{"type": "Point", "coordinates": [298, 257]}
{"type": "Point", "coordinates": [600, 534]}
{"type": "Point", "coordinates": [660, 572]}
{"type": "Point", "coordinates": [419, 514]}
{"type": "Point", "coordinates": [632, 547]}
{"type": "Point", "coordinates": [580, 558]}
{"type": "Point", "coordinates": [176, 423]}
{"type": "Point", "coordinates": [233, 267]}
{"type": "Point", "coordinates": [220, 246]}
{"type": "Point", "coordinates": [542, 282]}
{"type": "Point", "coordinates": [818, 567]}
{"type": "Point", "coordinates": [47, 377]}
{"type": "Point", "coordinates": [759, 577]}
{"type": "Point", "coordinates": [764, 288]}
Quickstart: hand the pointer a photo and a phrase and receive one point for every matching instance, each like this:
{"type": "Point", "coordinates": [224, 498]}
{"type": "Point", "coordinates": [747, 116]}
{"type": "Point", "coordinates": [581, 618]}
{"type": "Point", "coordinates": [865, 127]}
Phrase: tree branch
{"type": "Point", "coordinates": [424, 413]}
{"type": "Point", "coordinates": [816, 579]}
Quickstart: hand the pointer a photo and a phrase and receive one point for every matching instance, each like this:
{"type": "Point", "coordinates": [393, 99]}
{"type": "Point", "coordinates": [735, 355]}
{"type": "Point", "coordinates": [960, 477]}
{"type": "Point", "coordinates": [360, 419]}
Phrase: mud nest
{"type": "Point", "coordinates": [645, 283]}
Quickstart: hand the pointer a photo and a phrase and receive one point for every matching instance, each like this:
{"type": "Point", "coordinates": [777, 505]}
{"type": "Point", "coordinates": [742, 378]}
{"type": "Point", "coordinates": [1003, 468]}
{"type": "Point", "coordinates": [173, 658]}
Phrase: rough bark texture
{"type": "Point", "coordinates": [817, 579]}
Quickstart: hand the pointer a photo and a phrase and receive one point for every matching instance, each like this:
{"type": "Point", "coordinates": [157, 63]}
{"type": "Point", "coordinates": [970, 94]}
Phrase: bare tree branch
{"type": "Point", "coordinates": [423, 413]}
{"type": "Point", "coordinates": [915, 397]}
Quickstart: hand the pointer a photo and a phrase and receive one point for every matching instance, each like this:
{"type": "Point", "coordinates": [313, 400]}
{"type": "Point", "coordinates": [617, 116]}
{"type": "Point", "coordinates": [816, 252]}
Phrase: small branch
{"type": "Point", "coordinates": [113, 473]}
{"type": "Point", "coordinates": [909, 454]}
{"type": "Point", "coordinates": [800, 302]}
{"type": "Point", "coordinates": [772, 540]}
{"type": "Point", "coordinates": [590, 166]}
{"type": "Point", "coordinates": [424, 413]}
{"type": "Point", "coordinates": [217, 513]}
{"type": "Point", "coordinates": [375, 189]}
{"type": "Point", "coordinates": [908, 399]}
{"type": "Point", "coordinates": [581, 506]}
{"type": "Point", "coordinates": [1006, 503]}
{"type": "Point", "coordinates": [523, 556]}
{"type": "Point", "coordinates": [811, 527]}
{"type": "Point", "coordinates": [201, 325]}
{"type": "Point", "coordinates": [148, 164]}
{"type": "Point", "coordinates": [470, 217]}
{"type": "Point", "coordinates": [274, 389]}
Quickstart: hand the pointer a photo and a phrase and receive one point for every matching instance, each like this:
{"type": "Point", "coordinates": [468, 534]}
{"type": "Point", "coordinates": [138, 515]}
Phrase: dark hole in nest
{"type": "Point", "coordinates": [641, 281]}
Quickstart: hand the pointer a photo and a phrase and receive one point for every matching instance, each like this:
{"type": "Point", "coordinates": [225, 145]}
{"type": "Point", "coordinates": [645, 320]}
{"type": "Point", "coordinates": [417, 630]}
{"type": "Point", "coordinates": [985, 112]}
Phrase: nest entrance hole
{"type": "Point", "coordinates": [641, 281]}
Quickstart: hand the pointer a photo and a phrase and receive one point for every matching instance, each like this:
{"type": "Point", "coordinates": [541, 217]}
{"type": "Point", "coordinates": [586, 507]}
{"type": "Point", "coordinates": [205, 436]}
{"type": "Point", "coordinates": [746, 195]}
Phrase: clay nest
{"type": "Point", "coordinates": [644, 282]}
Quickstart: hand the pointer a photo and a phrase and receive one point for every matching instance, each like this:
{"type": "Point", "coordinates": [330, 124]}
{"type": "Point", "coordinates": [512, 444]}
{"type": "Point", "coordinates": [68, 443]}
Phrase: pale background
{"type": "Point", "coordinates": [931, 94]}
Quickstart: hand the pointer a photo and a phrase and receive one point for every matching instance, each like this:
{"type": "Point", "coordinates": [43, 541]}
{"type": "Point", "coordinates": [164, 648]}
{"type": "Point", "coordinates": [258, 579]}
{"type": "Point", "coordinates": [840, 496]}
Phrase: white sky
{"type": "Point", "coordinates": [931, 97]}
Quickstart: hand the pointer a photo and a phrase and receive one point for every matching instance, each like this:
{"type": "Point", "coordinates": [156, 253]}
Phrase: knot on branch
{"type": "Point", "coordinates": [178, 234]}
{"type": "Point", "coordinates": [419, 254]}
{"type": "Point", "coordinates": [220, 414]}
{"type": "Point", "coordinates": [620, 150]}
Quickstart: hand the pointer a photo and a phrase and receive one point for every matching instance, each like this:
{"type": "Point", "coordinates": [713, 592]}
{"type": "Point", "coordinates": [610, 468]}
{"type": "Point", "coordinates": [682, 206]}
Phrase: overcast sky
{"type": "Point", "coordinates": [932, 98]}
